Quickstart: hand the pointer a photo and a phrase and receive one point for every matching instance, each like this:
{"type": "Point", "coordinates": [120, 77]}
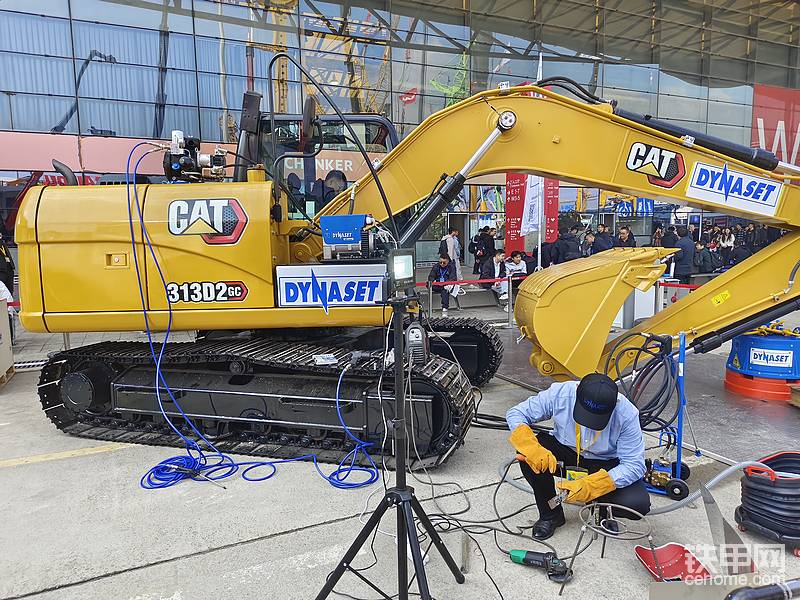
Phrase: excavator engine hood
{"type": "Point", "coordinates": [569, 308]}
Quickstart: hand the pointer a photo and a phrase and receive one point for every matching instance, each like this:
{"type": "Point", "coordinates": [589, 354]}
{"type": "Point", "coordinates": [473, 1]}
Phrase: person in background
{"type": "Point", "coordinates": [588, 244]}
{"type": "Point", "coordinates": [740, 252]}
{"type": "Point", "coordinates": [516, 267]}
{"type": "Point", "coordinates": [495, 268]}
{"type": "Point", "coordinates": [716, 232]}
{"type": "Point", "coordinates": [6, 265]}
{"type": "Point", "coordinates": [657, 237]}
{"type": "Point", "coordinates": [566, 247]}
{"type": "Point", "coordinates": [603, 240]}
{"type": "Point", "coordinates": [726, 241]}
{"type": "Point", "coordinates": [739, 234]}
{"type": "Point", "coordinates": [335, 183]}
{"type": "Point", "coordinates": [761, 237]}
{"type": "Point", "coordinates": [684, 258]}
{"type": "Point", "coordinates": [294, 184]}
{"type": "Point", "coordinates": [693, 233]}
{"type": "Point", "coordinates": [451, 246]}
{"type": "Point", "coordinates": [625, 238]}
{"type": "Point", "coordinates": [487, 241]}
{"type": "Point", "coordinates": [670, 239]}
{"type": "Point", "coordinates": [594, 427]}
{"type": "Point", "coordinates": [443, 271]}
{"type": "Point", "coordinates": [547, 254]}
{"type": "Point", "coordinates": [702, 258]}
{"type": "Point", "coordinates": [5, 294]}
{"type": "Point", "coordinates": [750, 237]}
{"type": "Point", "coordinates": [530, 261]}
{"type": "Point", "coordinates": [492, 241]}
{"type": "Point", "coordinates": [477, 250]}
{"type": "Point", "coordinates": [774, 234]}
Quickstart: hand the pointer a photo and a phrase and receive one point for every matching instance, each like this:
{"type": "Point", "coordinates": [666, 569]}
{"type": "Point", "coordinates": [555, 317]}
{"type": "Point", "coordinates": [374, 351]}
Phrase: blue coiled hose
{"type": "Point", "coordinates": [196, 464]}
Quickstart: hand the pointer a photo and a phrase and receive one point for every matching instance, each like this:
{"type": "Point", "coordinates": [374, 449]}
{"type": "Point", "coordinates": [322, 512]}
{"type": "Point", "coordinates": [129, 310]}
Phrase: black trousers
{"type": "Point", "coordinates": [684, 279]}
{"type": "Point", "coordinates": [7, 277]}
{"type": "Point", "coordinates": [445, 297]}
{"type": "Point", "coordinates": [634, 496]}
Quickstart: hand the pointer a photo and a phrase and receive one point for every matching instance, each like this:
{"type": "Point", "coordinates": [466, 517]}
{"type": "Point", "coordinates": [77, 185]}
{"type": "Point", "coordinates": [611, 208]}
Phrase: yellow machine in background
{"type": "Point", "coordinates": [223, 246]}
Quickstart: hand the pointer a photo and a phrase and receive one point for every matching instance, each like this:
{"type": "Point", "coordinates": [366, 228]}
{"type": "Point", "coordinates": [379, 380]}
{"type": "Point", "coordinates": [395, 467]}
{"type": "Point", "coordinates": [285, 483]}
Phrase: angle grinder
{"type": "Point", "coordinates": [555, 568]}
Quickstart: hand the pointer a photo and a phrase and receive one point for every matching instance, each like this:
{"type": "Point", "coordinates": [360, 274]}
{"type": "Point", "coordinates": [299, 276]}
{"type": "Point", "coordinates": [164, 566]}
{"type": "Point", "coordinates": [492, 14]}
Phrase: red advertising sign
{"type": "Point", "coordinates": [550, 209]}
{"type": "Point", "coordinates": [515, 205]}
{"type": "Point", "coordinates": [776, 121]}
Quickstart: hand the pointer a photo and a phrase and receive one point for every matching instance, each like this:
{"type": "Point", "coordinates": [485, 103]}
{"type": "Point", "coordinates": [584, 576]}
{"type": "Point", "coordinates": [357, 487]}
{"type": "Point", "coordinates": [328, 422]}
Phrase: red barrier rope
{"type": "Point", "coordinates": [463, 281]}
{"type": "Point", "coordinates": [687, 286]}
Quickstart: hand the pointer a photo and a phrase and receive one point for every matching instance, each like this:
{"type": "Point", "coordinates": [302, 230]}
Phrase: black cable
{"type": "Point", "coordinates": [338, 112]}
{"type": "Point", "coordinates": [659, 368]}
{"type": "Point", "coordinates": [244, 158]}
{"type": "Point", "coordinates": [567, 83]}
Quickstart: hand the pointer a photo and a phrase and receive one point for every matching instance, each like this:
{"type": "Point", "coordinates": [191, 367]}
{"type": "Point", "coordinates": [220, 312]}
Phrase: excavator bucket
{"type": "Point", "coordinates": [567, 310]}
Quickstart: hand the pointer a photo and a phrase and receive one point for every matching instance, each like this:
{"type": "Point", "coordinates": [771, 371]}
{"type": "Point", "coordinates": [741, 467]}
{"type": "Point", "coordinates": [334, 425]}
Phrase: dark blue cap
{"type": "Point", "coordinates": [596, 399]}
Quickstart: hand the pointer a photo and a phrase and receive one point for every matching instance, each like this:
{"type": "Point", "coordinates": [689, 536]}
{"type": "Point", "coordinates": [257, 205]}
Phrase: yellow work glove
{"type": "Point", "coordinates": [587, 488]}
{"type": "Point", "coordinates": [539, 458]}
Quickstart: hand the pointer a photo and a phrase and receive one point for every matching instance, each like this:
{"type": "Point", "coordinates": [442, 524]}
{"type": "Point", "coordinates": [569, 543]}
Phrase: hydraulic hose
{"type": "Point", "coordinates": [503, 470]}
{"type": "Point", "coordinates": [712, 483]}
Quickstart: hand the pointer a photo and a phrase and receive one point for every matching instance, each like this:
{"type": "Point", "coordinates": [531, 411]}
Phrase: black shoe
{"type": "Point", "coordinates": [545, 528]}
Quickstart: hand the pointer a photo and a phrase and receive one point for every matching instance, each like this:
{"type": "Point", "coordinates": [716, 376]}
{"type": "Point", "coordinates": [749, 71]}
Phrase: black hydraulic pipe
{"type": "Point", "coordinates": [248, 135]}
{"type": "Point", "coordinates": [775, 591]}
{"type": "Point", "coordinates": [62, 169]}
{"type": "Point", "coordinates": [715, 339]}
{"type": "Point", "coordinates": [763, 159]}
{"type": "Point", "coordinates": [446, 194]}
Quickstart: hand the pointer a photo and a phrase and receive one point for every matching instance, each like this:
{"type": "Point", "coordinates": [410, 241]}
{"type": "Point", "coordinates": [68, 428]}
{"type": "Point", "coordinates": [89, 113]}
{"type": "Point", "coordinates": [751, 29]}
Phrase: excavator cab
{"type": "Point", "coordinates": [312, 157]}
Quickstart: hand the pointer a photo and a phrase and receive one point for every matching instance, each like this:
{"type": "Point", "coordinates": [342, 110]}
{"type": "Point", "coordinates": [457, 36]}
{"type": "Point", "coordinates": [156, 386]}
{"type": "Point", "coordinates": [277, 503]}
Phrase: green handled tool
{"type": "Point", "coordinates": [556, 568]}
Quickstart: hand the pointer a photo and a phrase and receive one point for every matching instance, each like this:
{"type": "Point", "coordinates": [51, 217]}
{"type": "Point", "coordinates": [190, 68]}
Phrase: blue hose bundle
{"type": "Point", "coordinates": [216, 465]}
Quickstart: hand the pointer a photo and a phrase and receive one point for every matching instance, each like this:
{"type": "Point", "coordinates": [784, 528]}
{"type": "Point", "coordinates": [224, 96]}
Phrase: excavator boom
{"type": "Point", "coordinates": [566, 311]}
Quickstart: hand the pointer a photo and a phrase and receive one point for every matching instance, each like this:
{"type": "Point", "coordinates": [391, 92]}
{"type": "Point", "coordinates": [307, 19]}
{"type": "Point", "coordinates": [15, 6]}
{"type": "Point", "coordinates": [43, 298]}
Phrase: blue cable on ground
{"type": "Point", "coordinates": [195, 464]}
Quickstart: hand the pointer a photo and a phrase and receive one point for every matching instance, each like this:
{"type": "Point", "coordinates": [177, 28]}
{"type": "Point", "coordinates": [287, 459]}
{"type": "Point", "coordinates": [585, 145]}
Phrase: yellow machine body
{"type": "Point", "coordinates": [70, 239]}
{"type": "Point", "coordinates": [78, 268]}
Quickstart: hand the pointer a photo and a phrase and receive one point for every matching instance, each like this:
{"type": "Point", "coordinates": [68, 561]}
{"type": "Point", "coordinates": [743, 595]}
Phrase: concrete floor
{"type": "Point", "coordinates": [76, 524]}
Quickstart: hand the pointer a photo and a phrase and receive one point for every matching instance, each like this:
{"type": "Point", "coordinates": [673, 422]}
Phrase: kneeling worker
{"type": "Point", "coordinates": [594, 428]}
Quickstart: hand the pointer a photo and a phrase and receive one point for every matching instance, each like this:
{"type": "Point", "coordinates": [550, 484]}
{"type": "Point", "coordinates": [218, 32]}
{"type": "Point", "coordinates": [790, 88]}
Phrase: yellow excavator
{"type": "Point", "coordinates": [232, 260]}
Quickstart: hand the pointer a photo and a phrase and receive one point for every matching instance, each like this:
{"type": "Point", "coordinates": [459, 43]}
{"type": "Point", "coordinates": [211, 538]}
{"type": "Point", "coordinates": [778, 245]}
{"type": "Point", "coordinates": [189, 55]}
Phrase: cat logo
{"type": "Point", "coordinates": [216, 220]}
{"type": "Point", "coordinates": [663, 168]}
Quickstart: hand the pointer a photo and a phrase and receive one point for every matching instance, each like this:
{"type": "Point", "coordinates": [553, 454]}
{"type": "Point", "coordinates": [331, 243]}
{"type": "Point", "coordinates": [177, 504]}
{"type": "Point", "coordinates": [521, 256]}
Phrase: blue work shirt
{"type": "Point", "coordinates": [622, 438]}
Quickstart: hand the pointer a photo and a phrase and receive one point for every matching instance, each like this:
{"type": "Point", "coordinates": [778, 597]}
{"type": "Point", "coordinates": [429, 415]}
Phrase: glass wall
{"type": "Point", "coordinates": [109, 67]}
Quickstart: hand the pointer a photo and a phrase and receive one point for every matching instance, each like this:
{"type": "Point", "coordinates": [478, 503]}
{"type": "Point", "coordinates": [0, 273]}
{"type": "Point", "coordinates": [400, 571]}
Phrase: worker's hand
{"type": "Point", "coordinates": [587, 488]}
{"type": "Point", "coordinates": [539, 458]}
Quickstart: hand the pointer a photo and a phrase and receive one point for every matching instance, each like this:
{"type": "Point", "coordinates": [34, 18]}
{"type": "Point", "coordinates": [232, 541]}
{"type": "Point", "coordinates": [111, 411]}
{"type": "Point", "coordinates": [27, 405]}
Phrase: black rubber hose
{"type": "Point", "coordinates": [775, 591]}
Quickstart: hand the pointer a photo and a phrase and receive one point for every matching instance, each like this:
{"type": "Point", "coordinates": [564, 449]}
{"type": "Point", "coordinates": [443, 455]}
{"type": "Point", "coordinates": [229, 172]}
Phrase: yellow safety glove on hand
{"type": "Point", "coordinates": [587, 488]}
{"type": "Point", "coordinates": [539, 458]}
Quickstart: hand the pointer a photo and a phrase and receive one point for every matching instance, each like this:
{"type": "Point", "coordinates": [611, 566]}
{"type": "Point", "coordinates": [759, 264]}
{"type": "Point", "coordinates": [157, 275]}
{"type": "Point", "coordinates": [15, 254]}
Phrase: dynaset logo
{"type": "Point", "coordinates": [330, 291]}
{"type": "Point", "coordinates": [726, 186]}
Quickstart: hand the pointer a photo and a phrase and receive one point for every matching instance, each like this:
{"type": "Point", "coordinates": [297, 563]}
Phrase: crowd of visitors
{"type": "Point", "coordinates": [716, 249]}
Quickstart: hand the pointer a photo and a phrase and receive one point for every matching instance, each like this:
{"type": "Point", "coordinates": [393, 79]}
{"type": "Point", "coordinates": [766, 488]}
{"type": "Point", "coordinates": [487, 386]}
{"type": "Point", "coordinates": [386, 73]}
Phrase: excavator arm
{"type": "Point", "coordinates": [566, 311]}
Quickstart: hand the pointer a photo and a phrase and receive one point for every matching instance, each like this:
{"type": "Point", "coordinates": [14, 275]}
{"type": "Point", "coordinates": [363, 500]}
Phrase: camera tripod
{"type": "Point", "coordinates": [401, 496]}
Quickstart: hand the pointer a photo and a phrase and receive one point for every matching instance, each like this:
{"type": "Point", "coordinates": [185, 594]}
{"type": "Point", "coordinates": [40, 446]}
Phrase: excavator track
{"type": "Point", "coordinates": [253, 396]}
{"type": "Point", "coordinates": [489, 353]}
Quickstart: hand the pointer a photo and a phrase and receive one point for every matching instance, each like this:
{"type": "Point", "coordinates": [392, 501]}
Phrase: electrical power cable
{"type": "Point", "coordinates": [195, 464]}
{"type": "Point", "coordinates": [345, 122]}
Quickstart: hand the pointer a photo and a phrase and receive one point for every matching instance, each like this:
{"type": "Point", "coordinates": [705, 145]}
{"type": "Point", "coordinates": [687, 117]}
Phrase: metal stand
{"type": "Point", "coordinates": [400, 496]}
{"type": "Point", "coordinates": [510, 306]}
{"type": "Point", "coordinates": [611, 527]}
{"type": "Point", "coordinates": [677, 430]}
